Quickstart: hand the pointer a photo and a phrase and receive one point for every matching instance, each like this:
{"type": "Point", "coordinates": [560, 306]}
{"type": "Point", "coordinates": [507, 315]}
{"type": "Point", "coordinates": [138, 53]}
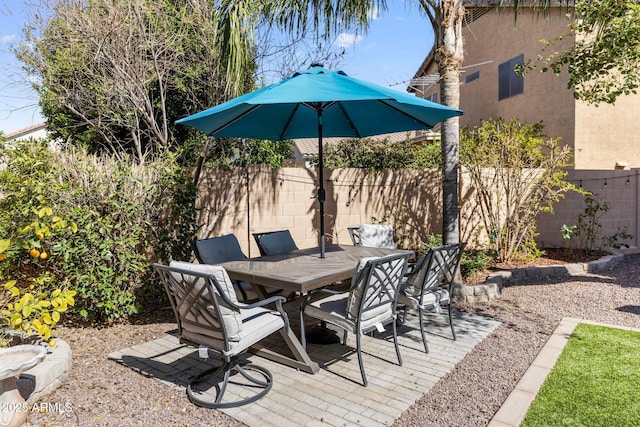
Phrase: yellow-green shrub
{"type": "Point", "coordinates": [32, 309]}
{"type": "Point", "coordinates": [101, 222]}
{"type": "Point", "coordinates": [34, 297]}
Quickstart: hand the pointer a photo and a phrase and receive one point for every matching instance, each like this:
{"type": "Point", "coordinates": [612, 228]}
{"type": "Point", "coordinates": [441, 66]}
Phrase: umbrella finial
{"type": "Point", "coordinates": [316, 64]}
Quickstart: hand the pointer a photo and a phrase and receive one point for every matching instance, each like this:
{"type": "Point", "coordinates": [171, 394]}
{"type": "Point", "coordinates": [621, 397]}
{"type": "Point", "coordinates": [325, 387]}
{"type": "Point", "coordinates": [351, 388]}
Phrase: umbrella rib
{"type": "Point", "coordinates": [353, 126]}
{"type": "Point", "coordinates": [315, 106]}
{"type": "Point", "coordinates": [382, 101]}
{"type": "Point", "coordinates": [235, 119]}
{"type": "Point", "coordinates": [288, 123]}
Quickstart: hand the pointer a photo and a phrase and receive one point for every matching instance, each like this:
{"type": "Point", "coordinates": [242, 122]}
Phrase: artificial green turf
{"type": "Point", "coordinates": [595, 382]}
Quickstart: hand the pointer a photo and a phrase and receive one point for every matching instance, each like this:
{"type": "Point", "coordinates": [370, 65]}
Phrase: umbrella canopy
{"type": "Point", "coordinates": [318, 102]}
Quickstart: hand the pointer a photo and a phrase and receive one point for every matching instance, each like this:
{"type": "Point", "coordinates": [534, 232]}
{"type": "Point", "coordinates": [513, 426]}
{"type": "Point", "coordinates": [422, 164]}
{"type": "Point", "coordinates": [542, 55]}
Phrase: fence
{"type": "Point", "coordinates": [261, 198]}
{"type": "Point", "coordinates": [619, 189]}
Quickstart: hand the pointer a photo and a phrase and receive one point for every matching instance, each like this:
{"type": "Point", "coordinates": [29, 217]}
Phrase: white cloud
{"type": "Point", "coordinates": [8, 38]}
{"type": "Point", "coordinates": [345, 40]}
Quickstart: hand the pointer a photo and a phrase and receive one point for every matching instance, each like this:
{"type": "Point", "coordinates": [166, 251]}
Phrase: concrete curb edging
{"type": "Point", "coordinates": [492, 288]}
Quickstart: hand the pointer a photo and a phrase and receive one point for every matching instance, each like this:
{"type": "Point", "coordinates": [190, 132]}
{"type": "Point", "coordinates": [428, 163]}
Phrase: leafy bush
{"type": "Point", "coordinates": [33, 298]}
{"type": "Point", "coordinates": [588, 228]}
{"type": "Point", "coordinates": [33, 310]}
{"type": "Point", "coordinates": [125, 216]}
{"type": "Point", "coordinates": [235, 152]}
{"type": "Point", "coordinates": [517, 173]}
{"type": "Point", "coordinates": [474, 261]}
{"type": "Point", "coordinates": [382, 154]}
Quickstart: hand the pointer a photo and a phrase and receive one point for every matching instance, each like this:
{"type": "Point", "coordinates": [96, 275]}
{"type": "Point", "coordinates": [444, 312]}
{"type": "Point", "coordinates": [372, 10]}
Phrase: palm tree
{"type": "Point", "coordinates": [446, 18]}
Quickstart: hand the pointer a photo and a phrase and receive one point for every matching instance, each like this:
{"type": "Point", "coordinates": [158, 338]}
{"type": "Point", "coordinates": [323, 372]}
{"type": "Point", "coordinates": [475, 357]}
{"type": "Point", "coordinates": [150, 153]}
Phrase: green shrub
{"type": "Point", "coordinates": [32, 299]}
{"type": "Point", "coordinates": [374, 154]}
{"type": "Point", "coordinates": [474, 261]}
{"type": "Point", "coordinates": [126, 215]}
{"type": "Point", "coordinates": [517, 172]}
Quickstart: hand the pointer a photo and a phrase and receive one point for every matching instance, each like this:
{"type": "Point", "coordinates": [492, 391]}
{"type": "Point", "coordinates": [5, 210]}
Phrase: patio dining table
{"type": "Point", "coordinates": [301, 271]}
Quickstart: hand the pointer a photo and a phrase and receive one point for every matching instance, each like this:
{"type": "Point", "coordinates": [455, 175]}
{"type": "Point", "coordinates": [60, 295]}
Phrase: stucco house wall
{"type": "Point", "coordinates": [602, 137]}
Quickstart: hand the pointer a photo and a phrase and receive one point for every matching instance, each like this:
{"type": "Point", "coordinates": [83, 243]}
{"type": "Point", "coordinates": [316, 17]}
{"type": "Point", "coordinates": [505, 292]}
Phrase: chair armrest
{"type": "Point", "coordinates": [411, 265]}
{"type": "Point", "coordinates": [261, 303]}
{"type": "Point", "coordinates": [278, 300]}
{"type": "Point", "coordinates": [331, 291]}
{"type": "Point", "coordinates": [326, 291]}
{"type": "Point", "coordinates": [307, 298]}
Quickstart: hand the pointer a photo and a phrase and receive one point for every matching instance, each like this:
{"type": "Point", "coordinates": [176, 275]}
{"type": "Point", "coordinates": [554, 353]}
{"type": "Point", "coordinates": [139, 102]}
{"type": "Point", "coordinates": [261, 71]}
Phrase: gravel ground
{"type": "Point", "coordinates": [105, 393]}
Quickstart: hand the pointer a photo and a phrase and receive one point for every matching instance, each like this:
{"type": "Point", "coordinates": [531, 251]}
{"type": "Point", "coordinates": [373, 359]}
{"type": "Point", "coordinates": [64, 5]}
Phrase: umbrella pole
{"type": "Point", "coordinates": [321, 194]}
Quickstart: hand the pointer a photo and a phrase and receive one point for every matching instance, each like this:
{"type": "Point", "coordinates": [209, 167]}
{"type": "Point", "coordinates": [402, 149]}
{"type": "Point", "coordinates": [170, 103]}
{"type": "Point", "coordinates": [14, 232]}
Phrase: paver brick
{"type": "Point", "coordinates": [335, 396]}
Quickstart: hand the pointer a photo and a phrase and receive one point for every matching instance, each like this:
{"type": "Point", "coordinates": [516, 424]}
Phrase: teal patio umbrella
{"type": "Point", "coordinates": [316, 103]}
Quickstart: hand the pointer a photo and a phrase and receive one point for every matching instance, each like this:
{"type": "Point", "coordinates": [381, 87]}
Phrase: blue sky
{"type": "Point", "coordinates": [390, 53]}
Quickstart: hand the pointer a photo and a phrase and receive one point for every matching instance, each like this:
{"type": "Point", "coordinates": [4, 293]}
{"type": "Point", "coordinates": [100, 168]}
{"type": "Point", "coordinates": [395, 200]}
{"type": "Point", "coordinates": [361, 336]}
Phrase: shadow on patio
{"type": "Point", "coordinates": [335, 395]}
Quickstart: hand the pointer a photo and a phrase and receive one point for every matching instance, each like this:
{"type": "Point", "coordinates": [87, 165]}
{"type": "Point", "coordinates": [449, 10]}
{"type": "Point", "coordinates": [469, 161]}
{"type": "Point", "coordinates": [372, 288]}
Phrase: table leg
{"type": "Point", "coordinates": [302, 360]}
{"type": "Point", "coordinates": [260, 291]}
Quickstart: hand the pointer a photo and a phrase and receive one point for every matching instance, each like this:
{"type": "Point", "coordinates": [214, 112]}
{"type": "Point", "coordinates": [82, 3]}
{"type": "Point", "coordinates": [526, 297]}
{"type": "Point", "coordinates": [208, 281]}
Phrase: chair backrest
{"type": "Point", "coordinates": [204, 303]}
{"type": "Point", "coordinates": [275, 242]}
{"type": "Point", "coordinates": [375, 287]}
{"type": "Point", "coordinates": [437, 267]}
{"type": "Point", "coordinates": [376, 235]}
{"type": "Point", "coordinates": [216, 250]}
{"type": "Point", "coordinates": [354, 233]}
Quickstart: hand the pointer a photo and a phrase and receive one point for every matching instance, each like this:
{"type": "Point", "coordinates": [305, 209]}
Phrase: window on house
{"type": "Point", "coordinates": [433, 97]}
{"type": "Point", "coordinates": [471, 77]}
{"type": "Point", "coordinates": [510, 83]}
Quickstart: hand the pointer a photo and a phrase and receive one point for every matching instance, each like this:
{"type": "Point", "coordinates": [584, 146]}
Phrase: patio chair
{"type": "Point", "coordinates": [376, 235]}
{"type": "Point", "coordinates": [428, 286]}
{"type": "Point", "coordinates": [275, 242]}
{"type": "Point", "coordinates": [368, 304]}
{"type": "Point", "coordinates": [354, 233]}
{"type": "Point", "coordinates": [216, 250]}
{"type": "Point", "coordinates": [210, 317]}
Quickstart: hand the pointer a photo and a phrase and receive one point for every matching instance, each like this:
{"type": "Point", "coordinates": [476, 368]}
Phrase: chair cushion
{"type": "Point", "coordinates": [276, 242]}
{"type": "Point", "coordinates": [430, 299]}
{"type": "Point", "coordinates": [333, 309]}
{"type": "Point", "coordinates": [354, 297]}
{"type": "Point", "coordinates": [377, 235]}
{"type": "Point", "coordinates": [257, 323]}
{"type": "Point", "coordinates": [412, 284]}
{"type": "Point", "coordinates": [231, 316]}
{"type": "Point", "coordinates": [217, 250]}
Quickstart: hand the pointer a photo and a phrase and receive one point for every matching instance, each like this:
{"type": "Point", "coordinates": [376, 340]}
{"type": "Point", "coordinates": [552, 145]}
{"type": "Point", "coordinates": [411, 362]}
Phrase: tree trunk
{"type": "Point", "coordinates": [449, 55]}
{"type": "Point", "coordinates": [450, 156]}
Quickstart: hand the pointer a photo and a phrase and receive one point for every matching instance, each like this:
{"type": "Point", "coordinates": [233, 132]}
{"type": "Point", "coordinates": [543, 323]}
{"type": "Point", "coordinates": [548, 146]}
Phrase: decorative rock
{"type": "Point", "coordinates": [492, 287]}
{"type": "Point", "coordinates": [575, 269]}
{"type": "Point", "coordinates": [518, 273]}
{"type": "Point", "coordinates": [478, 293]}
{"type": "Point", "coordinates": [532, 272]}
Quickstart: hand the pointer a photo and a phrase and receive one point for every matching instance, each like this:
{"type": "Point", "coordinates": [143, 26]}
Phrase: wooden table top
{"type": "Point", "coordinates": [303, 270]}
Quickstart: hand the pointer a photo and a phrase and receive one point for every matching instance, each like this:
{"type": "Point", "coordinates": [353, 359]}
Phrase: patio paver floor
{"type": "Point", "coordinates": [334, 396]}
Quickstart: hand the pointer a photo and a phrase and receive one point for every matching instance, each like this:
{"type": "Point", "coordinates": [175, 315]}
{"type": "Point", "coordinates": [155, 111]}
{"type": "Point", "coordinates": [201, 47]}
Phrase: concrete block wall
{"type": "Point", "coordinates": [618, 188]}
{"type": "Point", "coordinates": [285, 199]}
